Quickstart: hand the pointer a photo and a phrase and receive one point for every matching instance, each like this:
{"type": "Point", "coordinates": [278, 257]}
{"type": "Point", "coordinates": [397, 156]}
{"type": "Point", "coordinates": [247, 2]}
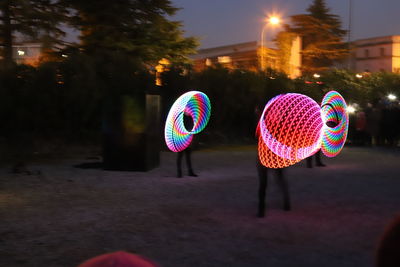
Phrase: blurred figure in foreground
{"type": "Point", "coordinates": [388, 250]}
{"type": "Point", "coordinates": [118, 259]}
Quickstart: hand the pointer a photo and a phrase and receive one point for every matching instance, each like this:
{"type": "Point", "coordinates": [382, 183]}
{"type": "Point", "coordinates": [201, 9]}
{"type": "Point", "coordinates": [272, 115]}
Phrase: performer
{"type": "Point", "coordinates": [188, 122]}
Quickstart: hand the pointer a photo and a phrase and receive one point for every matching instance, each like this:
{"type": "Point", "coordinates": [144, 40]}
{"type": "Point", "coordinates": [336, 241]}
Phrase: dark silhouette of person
{"type": "Point", "coordinates": [187, 152]}
{"type": "Point", "coordinates": [388, 249]}
{"type": "Point", "coordinates": [263, 183]}
{"type": "Point", "coordinates": [118, 259]}
{"type": "Point", "coordinates": [263, 179]}
{"type": "Point", "coordinates": [188, 122]}
{"type": "Point", "coordinates": [317, 155]}
{"type": "Point", "coordinates": [318, 161]}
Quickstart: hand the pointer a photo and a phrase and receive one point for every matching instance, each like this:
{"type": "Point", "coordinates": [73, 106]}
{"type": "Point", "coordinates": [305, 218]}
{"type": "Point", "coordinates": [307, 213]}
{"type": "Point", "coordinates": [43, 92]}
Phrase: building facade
{"type": "Point", "coordinates": [247, 56]}
{"type": "Point", "coordinates": [27, 53]}
{"type": "Point", "coordinates": [377, 54]}
{"type": "Point", "coordinates": [243, 55]}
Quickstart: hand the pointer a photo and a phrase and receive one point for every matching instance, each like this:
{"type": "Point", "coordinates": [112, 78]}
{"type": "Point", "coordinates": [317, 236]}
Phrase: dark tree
{"type": "Point", "coordinates": [37, 19]}
{"type": "Point", "coordinates": [322, 37]}
{"type": "Point", "coordinates": [139, 28]}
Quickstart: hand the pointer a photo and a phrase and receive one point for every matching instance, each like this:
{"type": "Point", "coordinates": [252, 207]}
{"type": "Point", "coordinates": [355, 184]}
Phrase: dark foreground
{"type": "Point", "coordinates": [66, 214]}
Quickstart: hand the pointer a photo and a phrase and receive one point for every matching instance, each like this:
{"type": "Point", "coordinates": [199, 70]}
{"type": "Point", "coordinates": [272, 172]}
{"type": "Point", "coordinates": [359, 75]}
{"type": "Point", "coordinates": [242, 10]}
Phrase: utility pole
{"type": "Point", "coordinates": [349, 46]}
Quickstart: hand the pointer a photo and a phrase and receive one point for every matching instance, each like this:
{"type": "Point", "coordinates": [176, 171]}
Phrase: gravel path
{"type": "Point", "coordinates": [68, 214]}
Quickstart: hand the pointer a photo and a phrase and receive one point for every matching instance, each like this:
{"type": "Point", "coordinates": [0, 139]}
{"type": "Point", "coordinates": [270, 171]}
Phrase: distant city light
{"type": "Point", "coordinates": [64, 55]}
{"type": "Point", "coordinates": [350, 109]}
{"type": "Point", "coordinates": [224, 59]}
{"type": "Point", "coordinates": [316, 75]}
{"type": "Point", "coordinates": [21, 52]}
{"type": "Point", "coordinates": [359, 76]}
{"type": "Point", "coordinates": [392, 97]}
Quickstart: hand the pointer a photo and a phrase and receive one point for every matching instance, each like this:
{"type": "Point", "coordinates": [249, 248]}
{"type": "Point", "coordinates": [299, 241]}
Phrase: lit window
{"type": "Point", "coordinates": [224, 59]}
{"type": "Point", "coordinates": [208, 62]}
{"type": "Point", "coordinates": [21, 53]}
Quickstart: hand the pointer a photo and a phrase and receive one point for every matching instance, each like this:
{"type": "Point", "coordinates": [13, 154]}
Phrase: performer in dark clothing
{"type": "Point", "coordinates": [187, 153]}
{"type": "Point", "coordinates": [188, 122]}
{"type": "Point", "coordinates": [280, 180]}
{"type": "Point", "coordinates": [318, 161]}
{"type": "Point", "coordinates": [263, 182]}
{"type": "Point", "coordinates": [263, 179]}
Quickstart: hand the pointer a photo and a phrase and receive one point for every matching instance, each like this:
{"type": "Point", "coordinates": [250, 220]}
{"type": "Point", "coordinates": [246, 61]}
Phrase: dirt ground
{"type": "Point", "coordinates": [66, 214]}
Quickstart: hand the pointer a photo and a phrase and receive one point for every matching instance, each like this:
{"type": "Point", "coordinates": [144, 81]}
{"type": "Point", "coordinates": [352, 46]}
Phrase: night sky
{"type": "Point", "coordinates": [224, 22]}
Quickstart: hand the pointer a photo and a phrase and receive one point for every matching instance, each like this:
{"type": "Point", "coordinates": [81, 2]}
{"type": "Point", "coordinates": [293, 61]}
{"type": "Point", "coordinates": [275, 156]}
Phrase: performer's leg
{"type": "Point", "coordinates": [262, 175]}
{"type": "Point", "coordinates": [179, 164]}
{"type": "Point", "coordinates": [284, 186]}
{"type": "Point", "coordinates": [188, 153]}
{"type": "Point", "coordinates": [309, 162]}
{"type": "Point", "coordinates": [318, 161]}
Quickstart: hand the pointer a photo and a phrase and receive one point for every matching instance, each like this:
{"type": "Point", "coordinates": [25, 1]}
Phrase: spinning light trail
{"type": "Point", "coordinates": [334, 112]}
{"type": "Point", "coordinates": [194, 104]}
{"type": "Point", "coordinates": [293, 127]}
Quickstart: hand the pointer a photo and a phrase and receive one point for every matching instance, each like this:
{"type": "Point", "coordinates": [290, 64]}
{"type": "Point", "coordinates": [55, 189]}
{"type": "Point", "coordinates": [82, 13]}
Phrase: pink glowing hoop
{"type": "Point", "coordinates": [290, 127]}
{"type": "Point", "coordinates": [293, 127]}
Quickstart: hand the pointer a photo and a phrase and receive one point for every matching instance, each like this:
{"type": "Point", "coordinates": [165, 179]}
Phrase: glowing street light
{"type": "Point", "coordinates": [316, 75]}
{"type": "Point", "coordinates": [350, 109]}
{"type": "Point", "coordinates": [359, 76]}
{"type": "Point", "coordinates": [273, 21]}
{"type": "Point", "coordinates": [21, 52]}
{"type": "Point", "coordinates": [391, 97]}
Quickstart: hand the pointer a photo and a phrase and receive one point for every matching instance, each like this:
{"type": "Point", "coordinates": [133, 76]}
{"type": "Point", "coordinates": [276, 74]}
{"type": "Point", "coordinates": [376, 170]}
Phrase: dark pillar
{"type": "Point", "coordinates": [131, 133]}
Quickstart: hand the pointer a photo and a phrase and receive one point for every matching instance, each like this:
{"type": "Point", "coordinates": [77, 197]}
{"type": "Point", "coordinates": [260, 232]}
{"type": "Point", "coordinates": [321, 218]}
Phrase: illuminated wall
{"type": "Point", "coordinates": [377, 54]}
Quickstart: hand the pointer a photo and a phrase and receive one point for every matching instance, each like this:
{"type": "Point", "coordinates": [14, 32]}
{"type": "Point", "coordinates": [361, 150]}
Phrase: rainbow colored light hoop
{"type": "Point", "coordinates": [336, 123]}
{"type": "Point", "coordinates": [195, 104]}
{"type": "Point", "coordinates": [293, 127]}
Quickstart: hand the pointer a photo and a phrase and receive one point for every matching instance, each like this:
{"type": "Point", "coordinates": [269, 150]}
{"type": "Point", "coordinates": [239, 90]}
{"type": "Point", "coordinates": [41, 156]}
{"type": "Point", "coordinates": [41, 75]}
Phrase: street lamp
{"type": "Point", "coordinates": [351, 109]}
{"type": "Point", "coordinates": [392, 97]}
{"type": "Point", "coordinates": [273, 21]}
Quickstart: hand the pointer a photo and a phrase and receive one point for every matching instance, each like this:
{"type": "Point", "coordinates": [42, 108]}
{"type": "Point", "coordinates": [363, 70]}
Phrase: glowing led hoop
{"type": "Point", "coordinates": [288, 117]}
{"type": "Point", "coordinates": [336, 123]}
{"type": "Point", "coordinates": [290, 126]}
{"type": "Point", "coordinates": [293, 127]}
{"type": "Point", "coordinates": [195, 104]}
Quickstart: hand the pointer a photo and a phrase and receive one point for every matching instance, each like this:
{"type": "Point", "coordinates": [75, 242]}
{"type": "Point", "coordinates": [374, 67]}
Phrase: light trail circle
{"type": "Point", "coordinates": [336, 123]}
{"type": "Point", "coordinates": [194, 104]}
{"type": "Point", "coordinates": [290, 126]}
